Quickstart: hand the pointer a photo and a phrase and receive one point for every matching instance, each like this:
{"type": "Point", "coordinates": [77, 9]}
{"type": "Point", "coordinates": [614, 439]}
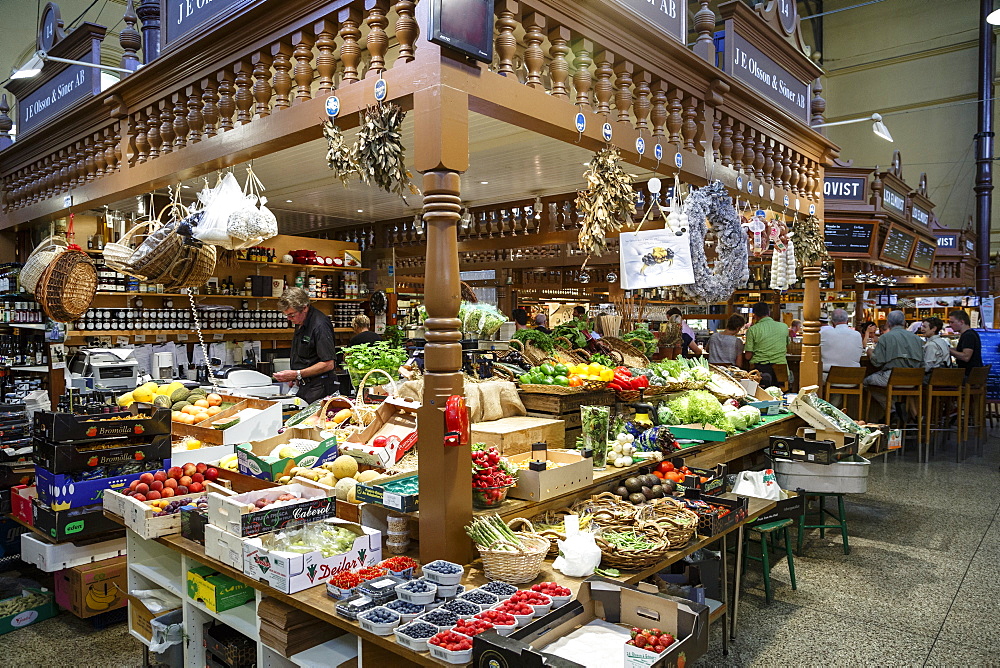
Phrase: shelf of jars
{"type": "Point", "coordinates": [298, 267]}
{"type": "Point", "coordinates": [198, 295]}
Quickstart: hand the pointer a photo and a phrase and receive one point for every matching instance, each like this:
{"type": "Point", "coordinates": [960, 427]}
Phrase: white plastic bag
{"type": "Point", "coordinates": [219, 203]}
{"type": "Point", "coordinates": [157, 600]}
{"type": "Point", "coordinates": [579, 555]}
{"type": "Point", "coordinates": [168, 631]}
{"type": "Point", "coordinates": [761, 484]}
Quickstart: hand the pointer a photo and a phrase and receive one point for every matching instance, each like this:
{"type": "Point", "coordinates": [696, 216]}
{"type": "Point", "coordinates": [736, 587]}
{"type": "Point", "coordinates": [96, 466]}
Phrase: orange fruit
{"type": "Point", "coordinates": [189, 410]}
{"type": "Point", "coordinates": [214, 410]}
{"type": "Point", "coordinates": [214, 399]}
{"type": "Point", "coordinates": [202, 403]}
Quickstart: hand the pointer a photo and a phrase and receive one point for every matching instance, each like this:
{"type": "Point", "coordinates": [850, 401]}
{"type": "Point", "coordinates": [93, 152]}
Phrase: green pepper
{"type": "Point", "coordinates": [547, 369]}
{"type": "Point", "coordinates": [561, 380]}
{"type": "Point", "coordinates": [548, 380]}
{"type": "Point", "coordinates": [561, 370]}
{"type": "Point", "coordinates": [525, 378]}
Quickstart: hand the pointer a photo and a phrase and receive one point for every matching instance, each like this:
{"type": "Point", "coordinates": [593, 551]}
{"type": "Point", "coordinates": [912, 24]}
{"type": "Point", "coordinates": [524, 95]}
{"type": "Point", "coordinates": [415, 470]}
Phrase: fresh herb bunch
{"type": "Point", "coordinates": [343, 160]}
{"type": "Point", "coordinates": [607, 203]}
{"type": "Point", "coordinates": [601, 358]}
{"type": "Point", "coordinates": [380, 152]}
{"type": "Point", "coordinates": [395, 335]}
{"type": "Point", "coordinates": [572, 330]}
{"type": "Point", "coordinates": [540, 340]}
{"type": "Point", "coordinates": [643, 339]}
{"type": "Point", "coordinates": [364, 357]}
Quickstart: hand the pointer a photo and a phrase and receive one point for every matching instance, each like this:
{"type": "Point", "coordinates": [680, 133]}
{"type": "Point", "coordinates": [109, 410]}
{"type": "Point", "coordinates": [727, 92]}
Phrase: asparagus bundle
{"type": "Point", "coordinates": [491, 533]}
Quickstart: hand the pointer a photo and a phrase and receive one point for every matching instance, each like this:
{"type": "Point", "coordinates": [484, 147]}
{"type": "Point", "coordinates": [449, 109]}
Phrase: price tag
{"type": "Point", "coordinates": [182, 337]}
{"type": "Point", "coordinates": [606, 131]}
{"type": "Point", "coordinates": [121, 340]}
{"type": "Point", "coordinates": [739, 183]}
{"type": "Point", "coordinates": [382, 584]}
{"type": "Point", "coordinates": [381, 90]}
{"type": "Point", "coordinates": [161, 338]}
{"type": "Point", "coordinates": [786, 200]}
{"type": "Point", "coordinates": [812, 209]}
{"type": "Point", "coordinates": [140, 338]}
{"type": "Point", "coordinates": [658, 152]}
{"type": "Point", "coordinates": [771, 195]}
{"type": "Point", "coordinates": [332, 106]}
{"type": "Point", "coordinates": [218, 336]}
{"type": "Point", "coordinates": [750, 186]}
{"type": "Point", "coordinates": [580, 122]}
{"type": "Point", "coordinates": [760, 190]}
{"type": "Point", "coordinates": [640, 145]}
{"type": "Point", "coordinates": [797, 206]}
{"type": "Point", "coordinates": [58, 365]}
{"type": "Point", "coordinates": [678, 160]}
{"type": "Point", "coordinates": [392, 500]}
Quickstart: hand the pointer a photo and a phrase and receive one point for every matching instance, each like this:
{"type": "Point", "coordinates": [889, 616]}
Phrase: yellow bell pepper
{"type": "Point", "coordinates": [607, 375]}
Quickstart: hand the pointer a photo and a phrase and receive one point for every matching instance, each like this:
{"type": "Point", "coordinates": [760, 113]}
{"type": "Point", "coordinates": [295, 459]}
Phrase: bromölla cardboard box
{"type": "Point", "coordinates": [91, 589]}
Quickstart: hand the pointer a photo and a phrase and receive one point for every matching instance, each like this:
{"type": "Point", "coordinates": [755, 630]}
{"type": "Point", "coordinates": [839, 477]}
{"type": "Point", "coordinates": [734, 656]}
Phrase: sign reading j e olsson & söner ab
{"type": "Point", "coordinates": [183, 16]}
{"type": "Point", "coordinates": [751, 66]}
{"type": "Point", "coordinates": [72, 84]}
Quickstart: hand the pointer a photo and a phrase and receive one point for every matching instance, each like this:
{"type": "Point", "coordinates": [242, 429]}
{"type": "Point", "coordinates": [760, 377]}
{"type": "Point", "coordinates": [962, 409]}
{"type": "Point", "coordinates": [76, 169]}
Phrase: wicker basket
{"type": "Point", "coordinates": [160, 249]}
{"type": "Point", "coordinates": [679, 522]}
{"type": "Point", "coordinates": [631, 356]}
{"type": "Point", "coordinates": [192, 268]}
{"type": "Point", "coordinates": [532, 354]}
{"type": "Point", "coordinates": [629, 396]}
{"type": "Point", "coordinates": [631, 558]}
{"type": "Point", "coordinates": [67, 287]}
{"type": "Point", "coordinates": [365, 413]}
{"type": "Point", "coordinates": [552, 517]}
{"type": "Point", "coordinates": [595, 385]}
{"type": "Point", "coordinates": [516, 567]}
{"type": "Point", "coordinates": [117, 253]}
{"type": "Point", "coordinates": [549, 389]}
{"type": "Point", "coordinates": [39, 260]}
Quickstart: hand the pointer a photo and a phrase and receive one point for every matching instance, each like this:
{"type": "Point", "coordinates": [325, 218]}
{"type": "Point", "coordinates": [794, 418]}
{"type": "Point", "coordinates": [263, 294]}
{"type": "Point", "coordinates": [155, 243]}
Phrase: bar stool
{"type": "Point", "coordinates": [841, 518]}
{"type": "Point", "coordinates": [903, 383]}
{"type": "Point", "coordinates": [764, 530]}
{"type": "Point", "coordinates": [974, 403]}
{"type": "Point", "coordinates": [944, 386]}
{"type": "Point", "coordinates": [847, 381]}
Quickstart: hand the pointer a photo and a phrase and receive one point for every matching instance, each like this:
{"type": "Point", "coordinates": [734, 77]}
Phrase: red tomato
{"type": "Point", "coordinates": [658, 474]}
{"type": "Point", "coordinates": [665, 467]}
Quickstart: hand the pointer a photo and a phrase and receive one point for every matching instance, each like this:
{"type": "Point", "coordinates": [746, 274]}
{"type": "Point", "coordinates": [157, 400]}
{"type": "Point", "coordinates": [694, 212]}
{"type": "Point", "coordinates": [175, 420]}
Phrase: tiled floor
{"type": "Point", "coordinates": [921, 586]}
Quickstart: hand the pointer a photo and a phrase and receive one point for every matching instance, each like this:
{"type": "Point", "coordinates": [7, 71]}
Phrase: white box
{"type": "Point", "coordinates": [264, 424]}
{"type": "Point", "coordinates": [206, 453]}
{"type": "Point", "coordinates": [51, 558]}
{"type": "Point", "coordinates": [238, 515]}
{"type": "Point", "coordinates": [224, 546]}
{"type": "Point", "coordinates": [289, 572]}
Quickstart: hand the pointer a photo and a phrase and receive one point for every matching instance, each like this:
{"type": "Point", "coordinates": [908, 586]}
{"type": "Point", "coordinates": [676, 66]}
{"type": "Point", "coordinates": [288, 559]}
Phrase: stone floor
{"type": "Point", "coordinates": [921, 586]}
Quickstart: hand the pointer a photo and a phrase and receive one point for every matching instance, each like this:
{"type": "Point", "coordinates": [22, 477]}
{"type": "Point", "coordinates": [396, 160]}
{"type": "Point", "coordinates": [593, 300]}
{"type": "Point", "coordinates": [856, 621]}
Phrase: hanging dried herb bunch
{"type": "Point", "coordinates": [340, 158]}
{"type": "Point", "coordinates": [607, 203]}
{"type": "Point", "coordinates": [380, 153]}
{"type": "Point", "coordinates": [810, 249]}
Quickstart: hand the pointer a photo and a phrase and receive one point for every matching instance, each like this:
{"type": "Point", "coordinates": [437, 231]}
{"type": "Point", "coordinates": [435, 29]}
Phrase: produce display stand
{"type": "Point", "coordinates": [164, 562]}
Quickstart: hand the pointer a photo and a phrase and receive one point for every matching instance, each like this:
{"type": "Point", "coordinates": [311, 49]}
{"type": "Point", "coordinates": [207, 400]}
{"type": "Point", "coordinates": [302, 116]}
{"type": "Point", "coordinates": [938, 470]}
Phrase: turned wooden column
{"type": "Point", "coordinates": [810, 369]}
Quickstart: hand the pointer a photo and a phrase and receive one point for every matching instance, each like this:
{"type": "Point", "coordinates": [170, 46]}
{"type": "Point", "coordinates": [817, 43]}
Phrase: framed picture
{"type": "Point", "coordinates": [465, 26]}
{"type": "Point", "coordinates": [654, 259]}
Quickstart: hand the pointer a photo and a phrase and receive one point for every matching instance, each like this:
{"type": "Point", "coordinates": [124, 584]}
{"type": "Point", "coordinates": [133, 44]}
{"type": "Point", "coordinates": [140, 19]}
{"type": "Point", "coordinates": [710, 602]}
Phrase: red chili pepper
{"type": "Point", "coordinates": [622, 370]}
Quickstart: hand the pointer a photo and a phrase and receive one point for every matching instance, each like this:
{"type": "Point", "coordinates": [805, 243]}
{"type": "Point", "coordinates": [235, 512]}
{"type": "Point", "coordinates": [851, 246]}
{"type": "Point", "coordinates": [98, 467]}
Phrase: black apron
{"type": "Point", "coordinates": [317, 387]}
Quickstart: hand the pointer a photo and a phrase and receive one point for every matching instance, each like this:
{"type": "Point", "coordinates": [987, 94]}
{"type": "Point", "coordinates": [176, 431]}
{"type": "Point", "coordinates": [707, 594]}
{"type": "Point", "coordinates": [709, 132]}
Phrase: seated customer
{"type": "Point", "coordinates": [520, 319]}
{"type": "Point", "coordinates": [541, 320]}
{"type": "Point", "coordinates": [689, 347]}
{"type": "Point", "coordinates": [839, 345]}
{"type": "Point", "coordinates": [937, 352]}
{"type": "Point", "coordinates": [897, 347]}
{"type": "Point", "coordinates": [767, 343]}
{"type": "Point", "coordinates": [362, 334]}
{"type": "Point", "coordinates": [968, 352]}
{"type": "Point", "coordinates": [726, 347]}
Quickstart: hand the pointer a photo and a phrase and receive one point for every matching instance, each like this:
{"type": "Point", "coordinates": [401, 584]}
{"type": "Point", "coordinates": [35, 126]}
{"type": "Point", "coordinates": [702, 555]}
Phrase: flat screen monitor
{"type": "Point", "coordinates": [465, 26]}
{"type": "Point", "coordinates": [898, 246]}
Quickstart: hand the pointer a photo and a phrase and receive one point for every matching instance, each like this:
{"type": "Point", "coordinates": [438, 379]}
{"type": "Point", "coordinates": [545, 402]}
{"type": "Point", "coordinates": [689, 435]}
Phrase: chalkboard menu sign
{"type": "Point", "coordinates": [923, 256]}
{"type": "Point", "coordinates": [848, 238]}
{"type": "Point", "coordinates": [990, 339]}
{"type": "Point", "coordinates": [898, 246]}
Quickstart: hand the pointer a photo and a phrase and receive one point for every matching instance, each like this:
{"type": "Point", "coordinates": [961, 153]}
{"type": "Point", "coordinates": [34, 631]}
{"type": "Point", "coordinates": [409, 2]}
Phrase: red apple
{"type": "Point", "coordinates": [146, 478]}
{"type": "Point", "coordinates": [181, 490]}
{"type": "Point", "coordinates": [142, 488]}
{"type": "Point", "coordinates": [153, 495]}
{"type": "Point", "coordinates": [175, 472]}
{"type": "Point", "coordinates": [160, 475]}
{"type": "Point", "coordinates": [185, 480]}
{"type": "Point", "coordinates": [201, 466]}
{"type": "Point", "coordinates": [156, 484]}
{"type": "Point", "coordinates": [190, 468]}
{"type": "Point", "coordinates": [211, 473]}
{"type": "Point", "coordinates": [198, 477]}
{"type": "Point", "coordinates": [167, 492]}
{"type": "Point", "coordinates": [196, 487]}
{"type": "Point", "coordinates": [138, 497]}
{"type": "Point", "coordinates": [170, 483]}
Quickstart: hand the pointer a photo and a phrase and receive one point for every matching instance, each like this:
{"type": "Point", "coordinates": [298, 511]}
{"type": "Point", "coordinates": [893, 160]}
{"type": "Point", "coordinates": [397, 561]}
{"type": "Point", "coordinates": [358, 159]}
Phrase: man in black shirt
{"type": "Point", "coordinates": [969, 351]}
{"type": "Point", "coordinates": [313, 350]}
{"type": "Point", "coordinates": [362, 334]}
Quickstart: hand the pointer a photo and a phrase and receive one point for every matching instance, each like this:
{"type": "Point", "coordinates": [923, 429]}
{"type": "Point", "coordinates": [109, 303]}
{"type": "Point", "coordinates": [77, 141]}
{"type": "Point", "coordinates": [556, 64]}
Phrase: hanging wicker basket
{"type": "Point", "coordinates": [67, 287]}
{"type": "Point", "coordinates": [39, 260]}
{"type": "Point", "coordinates": [117, 253]}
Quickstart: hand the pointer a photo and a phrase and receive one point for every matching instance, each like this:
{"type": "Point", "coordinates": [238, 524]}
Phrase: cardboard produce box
{"type": "Point", "coordinates": [217, 591]}
{"type": "Point", "coordinates": [259, 426]}
{"type": "Point", "coordinates": [254, 457]}
{"type": "Point", "coordinates": [239, 515]}
{"type": "Point", "coordinates": [382, 493]}
{"type": "Point", "coordinates": [84, 456]}
{"type": "Point", "coordinates": [20, 503]}
{"type": "Point", "coordinates": [140, 617]}
{"type": "Point", "coordinates": [725, 513]}
{"type": "Point", "coordinates": [592, 630]}
{"type": "Point", "coordinates": [92, 589]}
{"type": "Point", "coordinates": [290, 572]}
{"type": "Point", "coordinates": [224, 547]}
{"type": "Point", "coordinates": [394, 417]}
{"type": "Point", "coordinates": [60, 491]}
{"type": "Point", "coordinates": [143, 519]}
{"type": "Point", "coordinates": [39, 605]}
{"type": "Point", "coordinates": [790, 506]}
{"type": "Point", "coordinates": [514, 435]}
{"type": "Point", "coordinates": [72, 524]}
{"type": "Point", "coordinates": [51, 557]}
{"type": "Point", "coordinates": [577, 472]}
{"type": "Point", "coordinates": [137, 420]}
{"type": "Point", "coordinates": [813, 445]}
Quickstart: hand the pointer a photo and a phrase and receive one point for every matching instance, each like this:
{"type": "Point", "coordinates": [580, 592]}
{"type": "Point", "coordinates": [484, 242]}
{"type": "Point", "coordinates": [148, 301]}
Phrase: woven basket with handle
{"type": "Point", "coordinates": [39, 260]}
{"type": "Point", "coordinates": [67, 287]}
{"type": "Point", "coordinates": [519, 566]}
{"type": "Point", "coordinates": [193, 266]}
{"type": "Point", "coordinates": [117, 253]}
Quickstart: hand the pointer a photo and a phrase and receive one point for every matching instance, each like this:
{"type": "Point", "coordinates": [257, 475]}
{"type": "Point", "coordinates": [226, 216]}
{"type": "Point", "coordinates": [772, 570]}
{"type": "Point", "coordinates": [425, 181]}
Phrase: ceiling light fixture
{"type": "Point", "coordinates": [185, 186]}
{"type": "Point", "coordinates": [288, 201]}
{"type": "Point", "coordinates": [484, 183]}
{"type": "Point", "coordinates": [994, 18]}
{"type": "Point", "coordinates": [34, 65]}
{"type": "Point", "coordinates": [878, 127]}
{"type": "Point", "coordinates": [361, 210]}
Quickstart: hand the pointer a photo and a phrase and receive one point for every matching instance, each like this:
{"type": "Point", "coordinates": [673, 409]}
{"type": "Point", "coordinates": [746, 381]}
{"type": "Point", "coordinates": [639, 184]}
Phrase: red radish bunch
{"type": "Point", "coordinates": [488, 469]}
{"type": "Point", "coordinates": [512, 607]}
{"type": "Point", "coordinates": [472, 627]}
{"type": "Point", "coordinates": [451, 641]}
{"type": "Point", "coordinates": [653, 640]}
{"type": "Point", "coordinates": [530, 598]}
{"type": "Point", "coordinates": [497, 617]}
{"type": "Point", "coordinates": [175, 481]}
{"type": "Point", "coordinates": [551, 588]}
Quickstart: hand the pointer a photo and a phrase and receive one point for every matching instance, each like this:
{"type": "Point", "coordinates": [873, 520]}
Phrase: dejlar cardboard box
{"type": "Point", "coordinates": [592, 630]}
{"type": "Point", "coordinates": [91, 589]}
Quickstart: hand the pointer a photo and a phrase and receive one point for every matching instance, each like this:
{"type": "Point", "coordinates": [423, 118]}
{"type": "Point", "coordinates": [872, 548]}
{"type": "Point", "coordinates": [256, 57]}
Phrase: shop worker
{"type": "Point", "coordinates": [897, 347]}
{"type": "Point", "coordinates": [839, 345]}
{"type": "Point", "coordinates": [520, 319]}
{"type": "Point", "coordinates": [313, 350]}
{"type": "Point", "coordinates": [767, 343]}
{"type": "Point", "coordinates": [968, 352]}
{"type": "Point", "coordinates": [362, 333]}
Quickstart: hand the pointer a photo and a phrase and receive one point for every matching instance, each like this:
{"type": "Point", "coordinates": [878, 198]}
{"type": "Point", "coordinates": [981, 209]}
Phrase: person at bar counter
{"type": "Point", "coordinates": [937, 352]}
{"type": "Point", "coordinates": [767, 343]}
{"type": "Point", "coordinates": [968, 352]}
{"type": "Point", "coordinates": [795, 329]}
{"type": "Point", "coordinates": [313, 350]}
{"type": "Point", "coordinates": [689, 347]}
{"type": "Point", "coordinates": [541, 320]}
{"type": "Point", "coordinates": [839, 345]}
{"type": "Point", "coordinates": [869, 333]}
{"type": "Point", "coordinates": [520, 317]}
{"type": "Point", "coordinates": [897, 347]}
{"type": "Point", "coordinates": [362, 332]}
{"type": "Point", "coordinates": [726, 347]}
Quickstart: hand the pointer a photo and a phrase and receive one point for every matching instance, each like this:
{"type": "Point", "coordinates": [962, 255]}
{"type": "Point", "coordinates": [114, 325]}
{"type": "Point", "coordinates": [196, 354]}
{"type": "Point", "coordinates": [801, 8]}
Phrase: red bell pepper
{"type": "Point", "coordinates": [623, 370]}
{"type": "Point", "coordinates": [615, 385]}
{"type": "Point", "coordinates": [623, 379]}
{"type": "Point", "coordinates": [640, 383]}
